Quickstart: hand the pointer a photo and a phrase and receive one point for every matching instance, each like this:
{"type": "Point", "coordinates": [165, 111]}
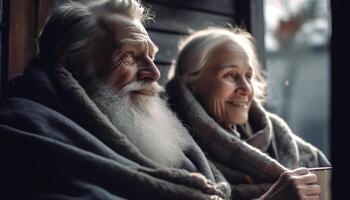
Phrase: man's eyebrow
{"type": "Point", "coordinates": [120, 45]}
{"type": "Point", "coordinates": [123, 45]}
{"type": "Point", "coordinates": [154, 48]}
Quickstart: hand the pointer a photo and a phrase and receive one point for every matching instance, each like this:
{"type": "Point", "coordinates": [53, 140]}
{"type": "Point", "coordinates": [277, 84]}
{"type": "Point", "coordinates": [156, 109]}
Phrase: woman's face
{"type": "Point", "coordinates": [224, 87]}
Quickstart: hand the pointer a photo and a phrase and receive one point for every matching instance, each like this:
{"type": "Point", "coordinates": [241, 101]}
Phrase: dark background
{"type": "Point", "coordinates": [340, 151]}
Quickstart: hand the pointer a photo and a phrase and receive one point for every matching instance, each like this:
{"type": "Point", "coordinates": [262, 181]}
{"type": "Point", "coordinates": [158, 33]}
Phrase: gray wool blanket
{"type": "Point", "coordinates": [56, 144]}
{"type": "Point", "coordinates": [251, 164]}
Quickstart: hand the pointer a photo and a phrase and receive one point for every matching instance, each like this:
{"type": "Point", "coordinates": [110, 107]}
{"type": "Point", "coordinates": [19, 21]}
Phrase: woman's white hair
{"type": "Point", "coordinates": [196, 50]}
{"type": "Point", "coordinates": [68, 33]}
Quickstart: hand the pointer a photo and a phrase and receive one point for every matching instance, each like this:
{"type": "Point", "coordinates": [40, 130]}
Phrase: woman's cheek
{"type": "Point", "coordinates": [218, 109]}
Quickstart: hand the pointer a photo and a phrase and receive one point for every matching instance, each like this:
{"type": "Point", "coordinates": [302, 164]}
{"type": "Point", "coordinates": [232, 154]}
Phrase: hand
{"type": "Point", "coordinates": [298, 184]}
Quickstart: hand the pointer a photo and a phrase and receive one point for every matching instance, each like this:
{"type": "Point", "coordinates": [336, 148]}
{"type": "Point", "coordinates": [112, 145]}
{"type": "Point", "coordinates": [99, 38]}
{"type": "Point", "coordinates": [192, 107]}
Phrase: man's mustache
{"type": "Point", "coordinates": [150, 88]}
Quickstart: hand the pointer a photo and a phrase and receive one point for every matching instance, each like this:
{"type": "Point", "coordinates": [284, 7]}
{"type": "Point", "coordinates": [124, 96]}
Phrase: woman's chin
{"type": "Point", "coordinates": [238, 120]}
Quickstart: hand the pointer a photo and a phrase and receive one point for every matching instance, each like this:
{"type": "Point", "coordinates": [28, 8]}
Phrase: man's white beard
{"type": "Point", "coordinates": [146, 121]}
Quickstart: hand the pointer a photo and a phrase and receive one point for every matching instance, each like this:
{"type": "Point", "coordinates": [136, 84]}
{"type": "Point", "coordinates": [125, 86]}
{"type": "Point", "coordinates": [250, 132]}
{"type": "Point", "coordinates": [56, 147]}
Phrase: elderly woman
{"type": "Point", "coordinates": [217, 91]}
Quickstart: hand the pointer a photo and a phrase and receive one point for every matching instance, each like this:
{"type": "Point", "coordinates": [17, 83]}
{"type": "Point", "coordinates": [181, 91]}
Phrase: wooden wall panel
{"type": "Point", "coordinates": [21, 34]}
{"type": "Point", "coordinates": [224, 7]}
{"type": "Point", "coordinates": [164, 69]}
{"type": "Point", "coordinates": [167, 44]}
{"type": "Point", "coordinates": [44, 9]}
{"type": "Point", "coordinates": [26, 19]}
{"type": "Point", "coordinates": [183, 20]}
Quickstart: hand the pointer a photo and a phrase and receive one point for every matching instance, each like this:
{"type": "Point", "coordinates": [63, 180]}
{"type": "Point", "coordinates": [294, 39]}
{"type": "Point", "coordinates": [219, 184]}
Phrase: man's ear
{"type": "Point", "coordinates": [66, 63]}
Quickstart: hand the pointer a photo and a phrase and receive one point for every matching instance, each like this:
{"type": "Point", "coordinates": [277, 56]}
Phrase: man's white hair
{"type": "Point", "coordinates": [67, 35]}
{"type": "Point", "coordinates": [196, 50]}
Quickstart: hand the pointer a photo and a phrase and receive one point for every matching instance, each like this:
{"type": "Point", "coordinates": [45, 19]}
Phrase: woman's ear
{"type": "Point", "coordinates": [192, 87]}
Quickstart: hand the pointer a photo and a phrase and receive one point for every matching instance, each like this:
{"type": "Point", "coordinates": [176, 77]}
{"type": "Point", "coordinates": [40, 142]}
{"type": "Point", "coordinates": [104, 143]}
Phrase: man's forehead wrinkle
{"type": "Point", "coordinates": [132, 27]}
{"type": "Point", "coordinates": [137, 42]}
{"type": "Point", "coordinates": [122, 25]}
{"type": "Point", "coordinates": [123, 35]}
{"type": "Point", "coordinates": [131, 32]}
{"type": "Point", "coordinates": [132, 42]}
{"type": "Point", "coordinates": [128, 32]}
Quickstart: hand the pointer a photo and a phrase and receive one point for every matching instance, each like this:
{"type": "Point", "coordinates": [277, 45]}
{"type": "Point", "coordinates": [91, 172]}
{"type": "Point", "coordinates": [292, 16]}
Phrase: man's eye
{"type": "Point", "coordinates": [128, 58]}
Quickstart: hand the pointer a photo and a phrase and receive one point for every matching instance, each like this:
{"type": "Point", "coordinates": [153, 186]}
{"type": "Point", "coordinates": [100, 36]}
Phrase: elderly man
{"type": "Point", "coordinates": [85, 119]}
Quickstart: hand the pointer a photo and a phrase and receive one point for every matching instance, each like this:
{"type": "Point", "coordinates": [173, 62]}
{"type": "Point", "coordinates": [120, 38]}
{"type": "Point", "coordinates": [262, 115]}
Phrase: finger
{"type": "Point", "coordinates": [300, 171]}
{"type": "Point", "coordinates": [313, 190]}
{"type": "Point", "coordinates": [309, 178]}
{"type": "Point", "coordinates": [298, 176]}
{"type": "Point", "coordinates": [309, 190]}
{"type": "Point", "coordinates": [214, 197]}
{"type": "Point", "coordinates": [313, 197]}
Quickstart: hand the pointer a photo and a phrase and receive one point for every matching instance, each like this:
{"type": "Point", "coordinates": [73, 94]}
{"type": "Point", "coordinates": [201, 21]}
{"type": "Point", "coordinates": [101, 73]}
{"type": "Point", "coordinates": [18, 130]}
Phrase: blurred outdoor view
{"type": "Point", "coordinates": [297, 37]}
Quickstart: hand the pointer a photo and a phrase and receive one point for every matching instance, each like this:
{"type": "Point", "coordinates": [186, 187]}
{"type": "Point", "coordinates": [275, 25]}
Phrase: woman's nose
{"type": "Point", "coordinates": [148, 72]}
{"type": "Point", "coordinates": [244, 87]}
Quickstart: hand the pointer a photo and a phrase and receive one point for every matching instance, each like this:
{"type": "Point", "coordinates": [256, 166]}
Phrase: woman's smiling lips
{"type": "Point", "coordinates": [243, 104]}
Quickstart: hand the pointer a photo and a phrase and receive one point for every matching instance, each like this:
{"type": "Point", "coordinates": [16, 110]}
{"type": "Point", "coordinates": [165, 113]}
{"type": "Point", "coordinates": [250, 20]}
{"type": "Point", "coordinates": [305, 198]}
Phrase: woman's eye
{"type": "Point", "coordinates": [249, 76]}
{"type": "Point", "coordinates": [230, 76]}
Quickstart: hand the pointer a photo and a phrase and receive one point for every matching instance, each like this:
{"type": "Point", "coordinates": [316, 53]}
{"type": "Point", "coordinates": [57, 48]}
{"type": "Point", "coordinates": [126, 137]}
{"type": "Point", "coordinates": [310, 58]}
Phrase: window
{"type": "Point", "coordinates": [297, 36]}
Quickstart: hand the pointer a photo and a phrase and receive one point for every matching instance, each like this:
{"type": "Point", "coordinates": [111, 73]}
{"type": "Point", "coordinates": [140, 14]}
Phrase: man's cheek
{"type": "Point", "coordinates": [121, 76]}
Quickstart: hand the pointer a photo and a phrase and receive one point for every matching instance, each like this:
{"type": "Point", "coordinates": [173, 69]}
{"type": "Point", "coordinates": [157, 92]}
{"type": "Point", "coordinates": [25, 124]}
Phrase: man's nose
{"type": "Point", "coordinates": [148, 72]}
